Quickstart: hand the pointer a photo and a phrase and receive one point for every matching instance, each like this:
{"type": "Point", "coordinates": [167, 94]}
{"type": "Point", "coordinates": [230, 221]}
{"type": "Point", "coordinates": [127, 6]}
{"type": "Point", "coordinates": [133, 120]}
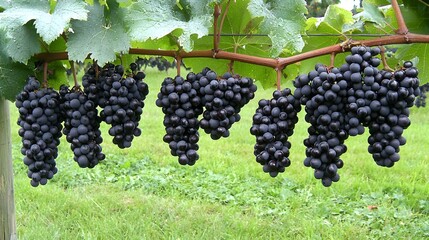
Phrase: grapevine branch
{"type": "Point", "coordinates": [268, 62]}
{"type": "Point", "coordinates": [402, 27]}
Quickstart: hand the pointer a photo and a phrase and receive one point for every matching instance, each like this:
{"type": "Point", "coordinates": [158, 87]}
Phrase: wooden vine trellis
{"type": "Point", "coordinates": [7, 207]}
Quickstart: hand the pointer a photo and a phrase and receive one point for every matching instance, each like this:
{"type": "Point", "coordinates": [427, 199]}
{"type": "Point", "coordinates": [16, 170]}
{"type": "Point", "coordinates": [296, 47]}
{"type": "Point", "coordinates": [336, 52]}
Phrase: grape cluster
{"type": "Point", "coordinates": [122, 102]}
{"type": "Point", "coordinates": [396, 95]}
{"type": "Point", "coordinates": [324, 95]}
{"type": "Point", "coordinates": [421, 98]}
{"type": "Point", "coordinates": [40, 121]}
{"type": "Point", "coordinates": [223, 99]}
{"type": "Point", "coordinates": [181, 104]}
{"type": "Point", "coordinates": [82, 127]}
{"type": "Point", "coordinates": [273, 122]}
{"type": "Point", "coordinates": [341, 102]}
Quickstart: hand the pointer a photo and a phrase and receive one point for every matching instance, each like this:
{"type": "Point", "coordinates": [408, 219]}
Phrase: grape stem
{"type": "Point", "coordinates": [76, 84]}
{"type": "Point", "coordinates": [383, 59]}
{"type": "Point", "coordinates": [178, 64]}
{"type": "Point", "coordinates": [231, 66]}
{"type": "Point", "coordinates": [402, 27]}
{"type": "Point", "coordinates": [332, 65]}
{"type": "Point", "coordinates": [279, 78]}
{"type": "Point", "coordinates": [231, 62]}
{"type": "Point", "coordinates": [95, 65]}
{"type": "Point", "coordinates": [45, 75]}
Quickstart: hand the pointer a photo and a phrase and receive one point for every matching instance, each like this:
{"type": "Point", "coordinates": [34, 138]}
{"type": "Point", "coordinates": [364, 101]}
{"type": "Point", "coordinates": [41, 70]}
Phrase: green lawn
{"type": "Point", "coordinates": [143, 193]}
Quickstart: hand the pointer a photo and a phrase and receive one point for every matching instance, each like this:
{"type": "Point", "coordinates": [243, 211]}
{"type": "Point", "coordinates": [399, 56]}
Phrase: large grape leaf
{"type": "Point", "coordinates": [245, 24]}
{"type": "Point", "coordinates": [12, 75]}
{"type": "Point", "coordinates": [335, 18]}
{"type": "Point", "coordinates": [59, 45]}
{"type": "Point", "coordinates": [17, 15]}
{"type": "Point", "coordinates": [97, 37]}
{"type": "Point", "coordinates": [416, 18]}
{"type": "Point", "coordinates": [155, 19]}
{"type": "Point", "coordinates": [284, 23]}
{"type": "Point", "coordinates": [371, 13]}
{"type": "Point", "coordinates": [5, 4]}
{"type": "Point", "coordinates": [48, 25]}
{"type": "Point", "coordinates": [22, 42]}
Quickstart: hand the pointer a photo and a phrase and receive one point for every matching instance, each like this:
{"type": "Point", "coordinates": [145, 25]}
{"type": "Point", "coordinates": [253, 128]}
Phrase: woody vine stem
{"type": "Point", "coordinates": [402, 36]}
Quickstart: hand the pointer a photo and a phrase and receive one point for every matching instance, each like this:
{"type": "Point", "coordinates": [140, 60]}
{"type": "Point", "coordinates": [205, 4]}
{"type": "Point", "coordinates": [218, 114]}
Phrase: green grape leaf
{"type": "Point", "coordinates": [245, 24]}
{"type": "Point", "coordinates": [245, 36]}
{"type": "Point", "coordinates": [284, 23]}
{"type": "Point", "coordinates": [154, 19]}
{"type": "Point", "coordinates": [58, 45]}
{"type": "Point", "coordinates": [379, 2]}
{"type": "Point", "coordinates": [333, 22]}
{"type": "Point", "coordinates": [22, 43]}
{"type": "Point", "coordinates": [419, 51]}
{"type": "Point", "coordinates": [12, 75]}
{"type": "Point", "coordinates": [5, 4]}
{"type": "Point", "coordinates": [416, 19]}
{"type": "Point", "coordinates": [166, 43]}
{"type": "Point", "coordinates": [415, 16]}
{"type": "Point", "coordinates": [327, 26]}
{"type": "Point", "coordinates": [336, 18]}
{"type": "Point", "coordinates": [49, 26]}
{"type": "Point", "coordinates": [315, 41]}
{"type": "Point", "coordinates": [19, 15]}
{"type": "Point", "coordinates": [371, 13]}
{"type": "Point", "coordinates": [96, 37]}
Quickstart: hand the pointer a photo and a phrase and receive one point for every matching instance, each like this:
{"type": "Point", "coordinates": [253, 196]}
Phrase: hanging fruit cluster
{"type": "Point", "coordinates": [339, 102]}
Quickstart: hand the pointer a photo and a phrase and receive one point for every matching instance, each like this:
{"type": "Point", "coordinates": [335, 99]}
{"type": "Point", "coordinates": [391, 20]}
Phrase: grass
{"type": "Point", "coordinates": [143, 193]}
